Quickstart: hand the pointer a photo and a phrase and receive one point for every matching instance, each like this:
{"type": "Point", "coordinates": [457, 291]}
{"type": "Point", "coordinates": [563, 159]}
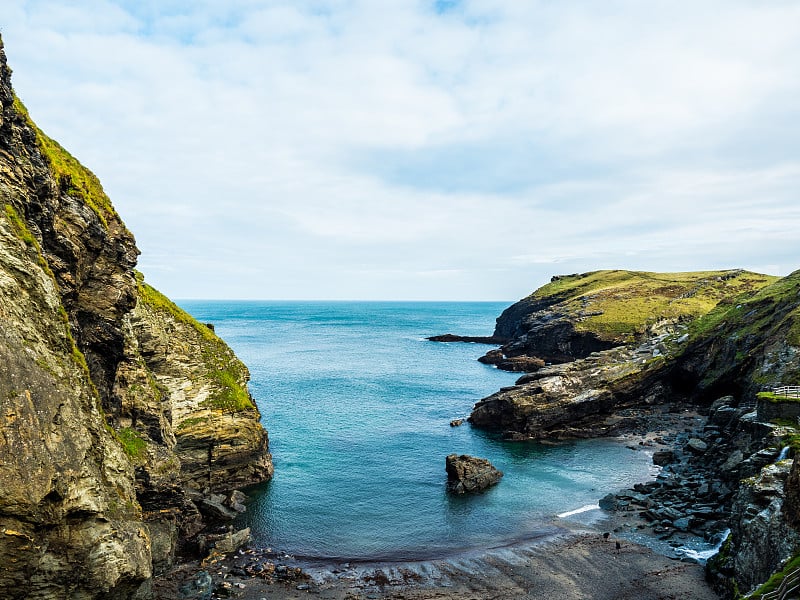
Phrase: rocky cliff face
{"type": "Point", "coordinates": [693, 339]}
{"type": "Point", "coordinates": [120, 414]}
{"type": "Point", "coordinates": [611, 334]}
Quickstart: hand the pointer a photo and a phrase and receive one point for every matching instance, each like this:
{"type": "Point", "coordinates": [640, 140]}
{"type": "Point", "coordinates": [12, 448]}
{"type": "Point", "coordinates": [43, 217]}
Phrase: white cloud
{"type": "Point", "coordinates": [362, 149]}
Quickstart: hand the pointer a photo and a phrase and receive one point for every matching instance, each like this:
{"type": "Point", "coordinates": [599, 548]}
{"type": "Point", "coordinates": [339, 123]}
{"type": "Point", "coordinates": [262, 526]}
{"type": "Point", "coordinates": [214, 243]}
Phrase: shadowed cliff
{"type": "Point", "coordinates": [120, 415]}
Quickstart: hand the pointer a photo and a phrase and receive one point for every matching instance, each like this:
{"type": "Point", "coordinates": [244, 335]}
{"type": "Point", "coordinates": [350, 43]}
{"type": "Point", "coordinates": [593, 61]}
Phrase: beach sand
{"type": "Point", "coordinates": [568, 565]}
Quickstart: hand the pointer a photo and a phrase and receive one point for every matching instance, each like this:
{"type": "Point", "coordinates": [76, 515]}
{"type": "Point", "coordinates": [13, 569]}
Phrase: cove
{"type": "Point", "coordinates": [358, 406]}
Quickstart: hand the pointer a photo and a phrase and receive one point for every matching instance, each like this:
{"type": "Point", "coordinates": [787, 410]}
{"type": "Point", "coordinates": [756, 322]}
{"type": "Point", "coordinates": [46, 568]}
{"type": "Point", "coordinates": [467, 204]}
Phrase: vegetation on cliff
{"type": "Point", "coordinates": [619, 305]}
{"type": "Point", "coordinates": [747, 343]}
{"type": "Point", "coordinates": [227, 372]}
{"type": "Point", "coordinates": [72, 177]}
{"type": "Point", "coordinates": [122, 415]}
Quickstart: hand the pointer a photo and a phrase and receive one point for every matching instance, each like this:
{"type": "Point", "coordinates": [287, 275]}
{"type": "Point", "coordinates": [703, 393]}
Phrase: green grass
{"type": "Point", "coordinates": [773, 582]}
{"type": "Point", "coordinates": [620, 305]}
{"type": "Point", "coordinates": [132, 442]}
{"type": "Point", "coordinates": [222, 367]}
{"type": "Point", "coordinates": [72, 177]}
{"type": "Point", "coordinates": [752, 313]}
{"type": "Point", "coordinates": [155, 299]}
{"type": "Point", "coordinates": [776, 398]}
{"type": "Point", "coordinates": [20, 228]}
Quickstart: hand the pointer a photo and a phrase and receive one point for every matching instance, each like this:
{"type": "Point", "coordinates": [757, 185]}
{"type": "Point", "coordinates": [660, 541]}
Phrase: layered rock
{"type": "Point", "coordinates": [611, 335]}
{"type": "Point", "coordinates": [120, 411]}
{"type": "Point", "coordinates": [576, 315]}
{"type": "Point", "coordinates": [469, 474]}
{"type": "Point", "coordinates": [739, 334]}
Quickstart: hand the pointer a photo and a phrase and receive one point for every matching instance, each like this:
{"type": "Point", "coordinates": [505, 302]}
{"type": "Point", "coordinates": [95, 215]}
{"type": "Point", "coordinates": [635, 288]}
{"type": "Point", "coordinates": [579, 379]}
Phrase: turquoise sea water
{"type": "Point", "coordinates": [358, 406]}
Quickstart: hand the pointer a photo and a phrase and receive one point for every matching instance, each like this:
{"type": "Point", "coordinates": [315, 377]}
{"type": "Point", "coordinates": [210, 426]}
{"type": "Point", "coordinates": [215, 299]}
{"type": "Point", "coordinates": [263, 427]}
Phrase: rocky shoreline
{"type": "Point", "coordinates": [251, 573]}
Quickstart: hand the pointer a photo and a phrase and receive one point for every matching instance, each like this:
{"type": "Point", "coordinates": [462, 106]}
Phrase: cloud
{"type": "Point", "coordinates": [448, 149]}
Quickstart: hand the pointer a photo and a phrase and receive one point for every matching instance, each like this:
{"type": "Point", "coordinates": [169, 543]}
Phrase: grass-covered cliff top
{"type": "Point", "coordinates": [617, 305]}
{"type": "Point", "coordinates": [71, 175]}
{"type": "Point", "coordinates": [221, 367]}
{"type": "Point", "coordinates": [775, 307]}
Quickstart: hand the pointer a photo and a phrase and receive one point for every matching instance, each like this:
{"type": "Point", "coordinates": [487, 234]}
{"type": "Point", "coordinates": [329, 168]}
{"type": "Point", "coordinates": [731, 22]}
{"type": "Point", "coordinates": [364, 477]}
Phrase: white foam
{"type": "Point", "coordinates": [578, 511]}
{"type": "Point", "coordinates": [702, 556]}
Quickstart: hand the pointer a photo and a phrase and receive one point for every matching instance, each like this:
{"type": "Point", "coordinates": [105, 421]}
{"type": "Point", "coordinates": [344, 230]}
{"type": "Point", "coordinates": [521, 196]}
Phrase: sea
{"type": "Point", "coordinates": [358, 407]}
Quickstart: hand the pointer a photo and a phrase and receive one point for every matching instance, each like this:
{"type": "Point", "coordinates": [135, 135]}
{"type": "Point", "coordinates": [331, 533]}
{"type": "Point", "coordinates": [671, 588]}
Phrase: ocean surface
{"type": "Point", "coordinates": [358, 406]}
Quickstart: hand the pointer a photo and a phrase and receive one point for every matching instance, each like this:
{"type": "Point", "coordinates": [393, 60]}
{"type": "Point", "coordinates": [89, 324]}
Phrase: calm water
{"type": "Point", "coordinates": [358, 407]}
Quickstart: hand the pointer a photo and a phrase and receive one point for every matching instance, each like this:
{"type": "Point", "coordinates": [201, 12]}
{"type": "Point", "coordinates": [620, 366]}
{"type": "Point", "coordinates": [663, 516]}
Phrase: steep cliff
{"type": "Point", "coordinates": [121, 415]}
{"type": "Point", "coordinates": [738, 334]}
{"type": "Point", "coordinates": [611, 334]}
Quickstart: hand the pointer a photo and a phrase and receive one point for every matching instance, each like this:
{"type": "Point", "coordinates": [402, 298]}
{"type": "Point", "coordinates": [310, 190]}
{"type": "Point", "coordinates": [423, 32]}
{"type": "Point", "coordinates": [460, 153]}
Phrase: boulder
{"type": "Point", "coordinates": [696, 445]}
{"type": "Point", "coordinates": [662, 458]}
{"type": "Point", "coordinates": [456, 422]}
{"type": "Point", "coordinates": [469, 474]}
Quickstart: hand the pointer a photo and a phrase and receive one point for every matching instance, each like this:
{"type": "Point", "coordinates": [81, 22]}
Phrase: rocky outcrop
{"type": "Point", "coordinates": [729, 334]}
{"type": "Point", "coordinates": [120, 413]}
{"type": "Point", "coordinates": [746, 344]}
{"type": "Point", "coordinates": [469, 474]}
{"type": "Point", "coordinates": [612, 335]}
{"type": "Point", "coordinates": [582, 398]}
{"type": "Point", "coordinates": [576, 315]}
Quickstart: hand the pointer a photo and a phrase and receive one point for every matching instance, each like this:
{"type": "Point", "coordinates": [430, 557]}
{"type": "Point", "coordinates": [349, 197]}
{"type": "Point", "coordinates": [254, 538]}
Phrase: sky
{"type": "Point", "coordinates": [424, 149]}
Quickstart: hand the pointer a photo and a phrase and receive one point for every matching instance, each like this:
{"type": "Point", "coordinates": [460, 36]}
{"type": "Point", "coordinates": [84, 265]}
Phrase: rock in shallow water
{"type": "Point", "coordinates": [469, 474]}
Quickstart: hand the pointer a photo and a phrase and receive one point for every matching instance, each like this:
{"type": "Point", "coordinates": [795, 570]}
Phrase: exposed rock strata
{"type": "Point", "coordinates": [745, 338]}
{"type": "Point", "coordinates": [469, 474]}
{"type": "Point", "coordinates": [120, 413]}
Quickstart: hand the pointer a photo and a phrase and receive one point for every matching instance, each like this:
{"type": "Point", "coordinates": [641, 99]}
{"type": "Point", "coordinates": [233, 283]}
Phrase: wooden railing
{"type": "Point", "coordinates": [787, 589]}
{"type": "Point", "coordinates": [788, 391]}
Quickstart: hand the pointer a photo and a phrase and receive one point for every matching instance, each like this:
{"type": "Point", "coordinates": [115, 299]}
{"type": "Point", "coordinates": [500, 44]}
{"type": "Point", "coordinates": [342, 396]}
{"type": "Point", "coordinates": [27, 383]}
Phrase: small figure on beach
{"type": "Point", "coordinates": [618, 545]}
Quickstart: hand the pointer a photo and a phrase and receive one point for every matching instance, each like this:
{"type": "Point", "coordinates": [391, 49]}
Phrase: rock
{"type": "Point", "coordinates": [214, 508]}
{"type": "Point", "coordinates": [682, 524]}
{"type": "Point", "coordinates": [236, 500]}
{"type": "Point", "coordinates": [696, 445]}
{"type": "Point", "coordinates": [232, 541]}
{"type": "Point", "coordinates": [449, 337]}
{"type": "Point", "coordinates": [116, 406]}
{"type": "Point", "coordinates": [469, 474]}
{"type": "Point", "coordinates": [456, 422]}
{"type": "Point", "coordinates": [200, 587]}
{"type": "Point", "coordinates": [608, 502]}
{"type": "Point", "coordinates": [662, 458]}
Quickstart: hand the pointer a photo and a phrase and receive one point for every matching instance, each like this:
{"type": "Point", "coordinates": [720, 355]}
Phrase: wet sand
{"type": "Point", "coordinates": [568, 565]}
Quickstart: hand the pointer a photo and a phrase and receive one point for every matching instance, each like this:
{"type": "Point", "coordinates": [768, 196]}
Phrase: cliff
{"type": "Point", "coordinates": [631, 343]}
{"type": "Point", "coordinates": [610, 335]}
{"type": "Point", "coordinates": [121, 415]}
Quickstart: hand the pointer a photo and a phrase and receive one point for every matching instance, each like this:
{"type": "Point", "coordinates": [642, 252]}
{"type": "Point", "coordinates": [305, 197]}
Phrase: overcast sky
{"type": "Point", "coordinates": [421, 149]}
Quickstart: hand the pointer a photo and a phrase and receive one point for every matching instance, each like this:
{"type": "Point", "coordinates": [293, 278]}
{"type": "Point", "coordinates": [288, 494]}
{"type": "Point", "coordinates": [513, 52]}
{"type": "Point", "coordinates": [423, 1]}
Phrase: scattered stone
{"type": "Point", "coordinates": [662, 458]}
{"type": "Point", "coordinates": [468, 474]}
{"type": "Point", "coordinates": [199, 588]}
{"type": "Point", "coordinates": [696, 445]}
{"type": "Point", "coordinates": [456, 422]}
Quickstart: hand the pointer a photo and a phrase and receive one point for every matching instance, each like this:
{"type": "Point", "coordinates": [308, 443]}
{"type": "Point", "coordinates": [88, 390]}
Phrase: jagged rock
{"type": "Point", "coordinates": [449, 337]}
{"type": "Point", "coordinates": [236, 500]}
{"type": "Point", "coordinates": [214, 508]}
{"type": "Point", "coordinates": [117, 407]}
{"type": "Point", "coordinates": [762, 534]}
{"type": "Point", "coordinates": [663, 457]}
{"type": "Point", "coordinates": [224, 543]}
{"type": "Point", "coordinates": [200, 587]}
{"type": "Point", "coordinates": [696, 445]}
{"type": "Point", "coordinates": [468, 474]}
{"type": "Point", "coordinates": [456, 422]}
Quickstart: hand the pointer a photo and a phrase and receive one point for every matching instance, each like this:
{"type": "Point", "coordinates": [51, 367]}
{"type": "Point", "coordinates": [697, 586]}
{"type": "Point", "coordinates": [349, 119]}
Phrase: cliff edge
{"type": "Point", "coordinates": [122, 416]}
